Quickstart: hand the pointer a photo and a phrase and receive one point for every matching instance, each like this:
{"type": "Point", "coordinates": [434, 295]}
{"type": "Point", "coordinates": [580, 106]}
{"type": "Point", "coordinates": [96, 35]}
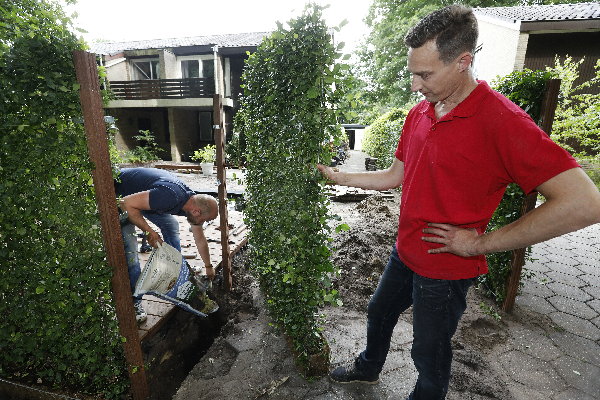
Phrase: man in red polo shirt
{"type": "Point", "coordinates": [459, 149]}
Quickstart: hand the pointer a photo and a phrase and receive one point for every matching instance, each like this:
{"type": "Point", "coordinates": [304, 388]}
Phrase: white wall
{"type": "Point", "coordinates": [501, 42]}
{"type": "Point", "coordinates": [169, 67]}
{"type": "Point", "coordinates": [116, 70]}
{"type": "Point", "coordinates": [358, 138]}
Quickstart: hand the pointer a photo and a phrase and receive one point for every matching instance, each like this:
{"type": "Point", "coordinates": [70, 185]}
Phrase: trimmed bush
{"type": "Point", "coordinates": [381, 137]}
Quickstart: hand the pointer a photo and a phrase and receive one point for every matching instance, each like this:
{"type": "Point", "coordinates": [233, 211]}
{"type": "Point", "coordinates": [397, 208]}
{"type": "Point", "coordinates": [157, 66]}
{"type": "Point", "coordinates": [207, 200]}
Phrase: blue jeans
{"type": "Point", "coordinates": [169, 229]}
{"type": "Point", "coordinates": [437, 307]}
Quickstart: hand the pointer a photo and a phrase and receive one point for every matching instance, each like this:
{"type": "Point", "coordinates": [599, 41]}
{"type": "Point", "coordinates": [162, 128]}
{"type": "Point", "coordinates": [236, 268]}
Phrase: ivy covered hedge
{"type": "Point", "coordinates": [381, 137]}
{"type": "Point", "coordinates": [58, 324]}
{"type": "Point", "coordinates": [288, 121]}
{"type": "Point", "coordinates": [526, 89]}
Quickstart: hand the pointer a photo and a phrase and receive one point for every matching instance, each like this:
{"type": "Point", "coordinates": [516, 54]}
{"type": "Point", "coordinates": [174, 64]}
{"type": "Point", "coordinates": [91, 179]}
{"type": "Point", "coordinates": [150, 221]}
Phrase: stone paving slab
{"type": "Point", "coordinates": [577, 373]}
{"type": "Point", "coordinates": [575, 308]}
{"type": "Point", "coordinates": [566, 288]}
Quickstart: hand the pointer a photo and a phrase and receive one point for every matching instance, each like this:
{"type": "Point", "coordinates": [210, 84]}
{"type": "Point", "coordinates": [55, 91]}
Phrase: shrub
{"type": "Point", "coordinates": [577, 121]}
{"type": "Point", "coordinates": [236, 150]}
{"type": "Point", "coordinates": [287, 118]}
{"type": "Point", "coordinates": [147, 150]}
{"type": "Point", "coordinates": [381, 138]}
{"type": "Point", "coordinates": [58, 324]}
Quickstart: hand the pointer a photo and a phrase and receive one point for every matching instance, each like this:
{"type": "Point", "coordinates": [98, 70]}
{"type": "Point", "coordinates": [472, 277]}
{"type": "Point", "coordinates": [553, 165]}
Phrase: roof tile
{"type": "Point", "coordinates": [554, 12]}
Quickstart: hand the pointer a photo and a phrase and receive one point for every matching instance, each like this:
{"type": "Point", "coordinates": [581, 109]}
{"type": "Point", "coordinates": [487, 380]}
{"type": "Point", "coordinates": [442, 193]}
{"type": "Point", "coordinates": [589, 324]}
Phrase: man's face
{"type": "Point", "coordinates": [196, 217]}
{"type": "Point", "coordinates": [430, 75]}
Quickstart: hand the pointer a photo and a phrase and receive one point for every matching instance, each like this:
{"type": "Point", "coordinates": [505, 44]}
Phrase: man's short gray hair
{"type": "Point", "coordinates": [454, 29]}
{"type": "Point", "coordinates": [206, 203]}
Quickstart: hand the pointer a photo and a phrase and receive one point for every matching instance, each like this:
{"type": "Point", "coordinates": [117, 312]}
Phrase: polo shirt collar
{"type": "Point", "coordinates": [467, 107]}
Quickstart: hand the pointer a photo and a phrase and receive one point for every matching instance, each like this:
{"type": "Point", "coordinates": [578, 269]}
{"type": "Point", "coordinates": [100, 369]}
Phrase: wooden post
{"type": "Point", "coordinates": [93, 115]}
{"type": "Point", "coordinates": [548, 108]}
{"type": "Point", "coordinates": [219, 131]}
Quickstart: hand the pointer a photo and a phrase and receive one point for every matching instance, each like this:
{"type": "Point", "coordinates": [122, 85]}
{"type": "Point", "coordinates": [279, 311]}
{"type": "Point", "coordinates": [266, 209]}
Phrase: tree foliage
{"type": "Point", "coordinates": [58, 323]}
{"type": "Point", "coordinates": [577, 121]}
{"type": "Point", "coordinates": [288, 118]}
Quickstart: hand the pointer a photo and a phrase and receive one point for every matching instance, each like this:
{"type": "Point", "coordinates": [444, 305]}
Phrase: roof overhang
{"type": "Point", "coordinates": [590, 25]}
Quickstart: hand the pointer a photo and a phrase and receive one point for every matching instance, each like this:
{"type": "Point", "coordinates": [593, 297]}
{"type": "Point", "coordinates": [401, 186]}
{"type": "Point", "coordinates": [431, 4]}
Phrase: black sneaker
{"type": "Point", "coordinates": [350, 373]}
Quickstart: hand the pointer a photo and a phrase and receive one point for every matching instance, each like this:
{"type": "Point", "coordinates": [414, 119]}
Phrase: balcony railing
{"type": "Point", "coordinates": [163, 88]}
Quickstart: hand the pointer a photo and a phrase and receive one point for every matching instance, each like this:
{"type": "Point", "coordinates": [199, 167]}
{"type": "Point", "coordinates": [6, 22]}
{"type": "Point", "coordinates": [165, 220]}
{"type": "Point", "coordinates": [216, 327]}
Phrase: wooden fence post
{"type": "Point", "coordinates": [219, 130]}
{"type": "Point", "coordinates": [93, 115]}
{"type": "Point", "coordinates": [548, 109]}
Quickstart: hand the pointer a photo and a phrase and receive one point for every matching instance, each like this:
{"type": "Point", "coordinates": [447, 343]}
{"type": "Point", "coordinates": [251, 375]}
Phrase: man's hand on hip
{"type": "Point", "coordinates": [459, 241]}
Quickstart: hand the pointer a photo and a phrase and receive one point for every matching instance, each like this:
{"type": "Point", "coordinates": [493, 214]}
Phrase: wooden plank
{"type": "Point", "coordinates": [178, 166]}
{"type": "Point", "coordinates": [91, 103]}
{"type": "Point", "coordinates": [219, 130]}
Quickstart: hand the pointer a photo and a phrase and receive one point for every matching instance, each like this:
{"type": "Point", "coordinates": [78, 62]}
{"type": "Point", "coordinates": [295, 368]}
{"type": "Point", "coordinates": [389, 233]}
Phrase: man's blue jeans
{"type": "Point", "coordinates": [437, 307]}
{"type": "Point", "coordinates": [169, 229]}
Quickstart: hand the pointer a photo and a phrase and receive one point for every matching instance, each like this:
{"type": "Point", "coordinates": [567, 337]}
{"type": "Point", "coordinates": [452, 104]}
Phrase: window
{"type": "Point", "coordinates": [190, 69]}
{"type": "Point", "coordinates": [146, 69]}
{"type": "Point", "coordinates": [208, 69]}
{"type": "Point", "coordinates": [198, 68]}
{"type": "Point", "coordinates": [205, 123]}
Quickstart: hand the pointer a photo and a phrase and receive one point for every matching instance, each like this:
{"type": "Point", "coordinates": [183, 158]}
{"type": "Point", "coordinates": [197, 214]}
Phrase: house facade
{"type": "Point", "coordinates": [166, 86]}
{"type": "Point", "coordinates": [514, 38]}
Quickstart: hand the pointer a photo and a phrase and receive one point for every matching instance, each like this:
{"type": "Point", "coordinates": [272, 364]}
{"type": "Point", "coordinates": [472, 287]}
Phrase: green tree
{"type": "Point", "coordinates": [381, 137]}
{"type": "Point", "coordinates": [58, 323]}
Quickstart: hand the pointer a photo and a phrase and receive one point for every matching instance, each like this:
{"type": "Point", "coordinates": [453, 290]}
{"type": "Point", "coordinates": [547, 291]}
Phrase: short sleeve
{"type": "Point", "coordinates": [530, 157]}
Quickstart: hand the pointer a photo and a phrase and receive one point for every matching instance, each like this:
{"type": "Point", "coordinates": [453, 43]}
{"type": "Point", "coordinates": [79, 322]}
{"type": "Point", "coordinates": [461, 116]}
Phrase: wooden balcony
{"type": "Point", "coordinates": [163, 89]}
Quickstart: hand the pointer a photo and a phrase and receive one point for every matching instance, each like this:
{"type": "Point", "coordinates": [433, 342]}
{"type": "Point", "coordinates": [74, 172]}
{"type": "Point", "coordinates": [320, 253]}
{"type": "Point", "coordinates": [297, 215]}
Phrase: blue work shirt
{"type": "Point", "coordinates": [167, 193]}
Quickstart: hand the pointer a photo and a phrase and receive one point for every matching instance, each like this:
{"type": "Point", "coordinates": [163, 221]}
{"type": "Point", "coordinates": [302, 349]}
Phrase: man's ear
{"type": "Point", "coordinates": [464, 61]}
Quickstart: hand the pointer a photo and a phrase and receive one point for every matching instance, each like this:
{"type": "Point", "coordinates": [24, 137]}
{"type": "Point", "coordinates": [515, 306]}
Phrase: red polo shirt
{"type": "Point", "coordinates": [457, 168]}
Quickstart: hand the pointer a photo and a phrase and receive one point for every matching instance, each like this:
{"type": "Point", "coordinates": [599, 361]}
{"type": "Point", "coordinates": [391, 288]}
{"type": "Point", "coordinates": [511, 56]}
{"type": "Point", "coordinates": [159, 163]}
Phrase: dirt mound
{"type": "Point", "coordinates": [361, 253]}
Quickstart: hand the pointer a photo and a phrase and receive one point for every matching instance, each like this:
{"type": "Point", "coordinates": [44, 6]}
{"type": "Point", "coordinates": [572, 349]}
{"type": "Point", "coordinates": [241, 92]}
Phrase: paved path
{"type": "Point", "coordinates": [565, 288]}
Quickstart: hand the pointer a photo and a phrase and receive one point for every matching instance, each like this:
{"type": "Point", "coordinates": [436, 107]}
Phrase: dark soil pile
{"type": "Point", "coordinates": [362, 253]}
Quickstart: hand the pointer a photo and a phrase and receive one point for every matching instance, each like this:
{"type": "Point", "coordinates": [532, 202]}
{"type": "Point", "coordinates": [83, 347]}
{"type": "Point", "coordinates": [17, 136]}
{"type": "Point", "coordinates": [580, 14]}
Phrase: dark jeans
{"type": "Point", "coordinates": [437, 307]}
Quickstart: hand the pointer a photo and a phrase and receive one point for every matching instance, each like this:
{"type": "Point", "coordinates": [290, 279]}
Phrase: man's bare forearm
{"type": "Point", "coordinates": [572, 203]}
{"type": "Point", "coordinates": [374, 180]}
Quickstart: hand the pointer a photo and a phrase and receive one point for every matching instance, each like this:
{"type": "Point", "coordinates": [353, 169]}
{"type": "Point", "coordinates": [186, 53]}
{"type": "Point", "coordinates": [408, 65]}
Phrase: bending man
{"type": "Point", "coordinates": [149, 194]}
